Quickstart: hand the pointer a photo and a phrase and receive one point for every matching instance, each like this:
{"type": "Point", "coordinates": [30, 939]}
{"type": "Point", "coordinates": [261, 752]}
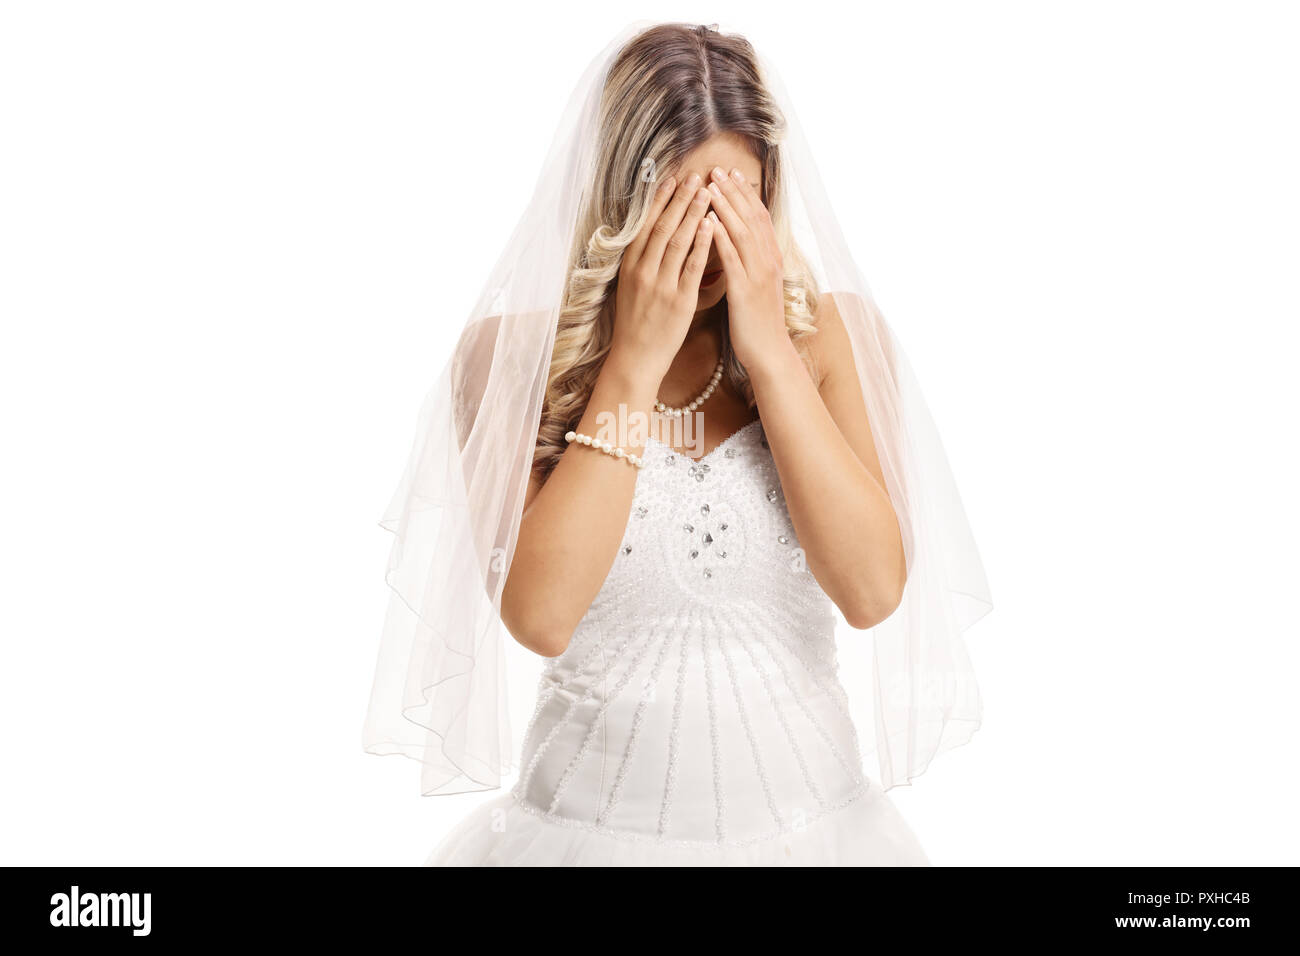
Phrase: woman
{"type": "Point", "coordinates": [722, 456]}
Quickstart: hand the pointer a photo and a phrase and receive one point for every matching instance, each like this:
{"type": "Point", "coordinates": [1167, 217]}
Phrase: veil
{"type": "Point", "coordinates": [441, 693]}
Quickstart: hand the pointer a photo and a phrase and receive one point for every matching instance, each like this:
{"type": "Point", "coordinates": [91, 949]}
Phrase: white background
{"type": "Point", "coordinates": [237, 238]}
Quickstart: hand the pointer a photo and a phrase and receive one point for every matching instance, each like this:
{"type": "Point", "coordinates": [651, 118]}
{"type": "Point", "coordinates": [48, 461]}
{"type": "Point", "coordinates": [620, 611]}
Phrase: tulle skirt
{"type": "Point", "coordinates": [869, 831]}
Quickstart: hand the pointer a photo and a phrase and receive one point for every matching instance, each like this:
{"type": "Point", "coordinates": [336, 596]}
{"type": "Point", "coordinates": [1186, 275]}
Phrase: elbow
{"type": "Point", "coordinates": [546, 642]}
{"type": "Point", "coordinates": [861, 617]}
{"type": "Point", "coordinates": [535, 631]}
{"type": "Point", "coordinates": [868, 607]}
{"type": "Point", "coordinates": [535, 615]}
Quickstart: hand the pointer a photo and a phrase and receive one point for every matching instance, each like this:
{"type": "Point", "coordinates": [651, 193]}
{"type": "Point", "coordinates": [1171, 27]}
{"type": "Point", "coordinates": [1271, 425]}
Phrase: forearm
{"type": "Point", "coordinates": [845, 521]}
{"type": "Point", "coordinates": [570, 533]}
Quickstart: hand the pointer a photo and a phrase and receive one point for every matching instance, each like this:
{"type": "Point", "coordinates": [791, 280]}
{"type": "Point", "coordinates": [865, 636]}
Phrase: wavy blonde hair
{"type": "Point", "coordinates": [671, 88]}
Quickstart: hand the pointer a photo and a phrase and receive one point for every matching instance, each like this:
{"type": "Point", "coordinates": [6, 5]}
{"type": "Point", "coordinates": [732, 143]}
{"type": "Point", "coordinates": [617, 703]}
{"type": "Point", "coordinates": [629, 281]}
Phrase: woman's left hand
{"type": "Point", "coordinates": [752, 264]}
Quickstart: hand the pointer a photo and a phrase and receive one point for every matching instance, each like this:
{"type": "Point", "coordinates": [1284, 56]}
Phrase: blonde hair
{"type": "Point", "coordinates": [671, 88]}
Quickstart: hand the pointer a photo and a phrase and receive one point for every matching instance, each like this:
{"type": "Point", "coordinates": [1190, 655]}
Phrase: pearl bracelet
{"type": "Point", "coordinates": [612, 450]}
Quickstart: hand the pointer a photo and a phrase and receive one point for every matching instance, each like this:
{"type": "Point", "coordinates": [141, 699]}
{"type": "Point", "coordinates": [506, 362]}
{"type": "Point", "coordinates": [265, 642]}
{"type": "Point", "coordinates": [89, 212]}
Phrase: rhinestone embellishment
{"type": "Point", "coordinates": [708, 541]}
{"type": "Point", "coordinates": [702, 536]}
{"type": "Point", "coordinates": [740, 655]}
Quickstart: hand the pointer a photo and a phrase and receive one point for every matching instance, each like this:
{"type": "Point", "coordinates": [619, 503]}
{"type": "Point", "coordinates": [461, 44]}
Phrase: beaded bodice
{"type": "Point", "coordinates": [697, 700]}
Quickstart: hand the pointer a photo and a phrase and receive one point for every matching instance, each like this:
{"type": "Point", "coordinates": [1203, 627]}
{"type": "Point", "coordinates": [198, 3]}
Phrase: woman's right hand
{"type": "Point", "coordinates": [659, 278]}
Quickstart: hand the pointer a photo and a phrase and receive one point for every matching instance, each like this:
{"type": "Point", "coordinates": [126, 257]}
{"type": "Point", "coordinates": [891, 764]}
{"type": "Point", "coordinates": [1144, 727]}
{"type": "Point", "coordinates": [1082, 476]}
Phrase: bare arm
{"type": "Point", "coordinates": [818, 431]}
{"type": "Point", "coordinates": [572, 525]}
{"type": "Point", "coordinates": [830, 472]}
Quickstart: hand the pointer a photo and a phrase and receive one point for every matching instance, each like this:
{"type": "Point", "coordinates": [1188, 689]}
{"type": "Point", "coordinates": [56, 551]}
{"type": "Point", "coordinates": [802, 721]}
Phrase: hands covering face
{"type": "Point", "coordinates": [659, 277]}
{"type": "Point", "coordinates": [751, 258]}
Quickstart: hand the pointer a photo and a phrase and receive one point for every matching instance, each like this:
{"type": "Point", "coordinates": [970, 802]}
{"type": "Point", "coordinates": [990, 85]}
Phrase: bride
{"type": "Point", "coordinates": [719, 461]}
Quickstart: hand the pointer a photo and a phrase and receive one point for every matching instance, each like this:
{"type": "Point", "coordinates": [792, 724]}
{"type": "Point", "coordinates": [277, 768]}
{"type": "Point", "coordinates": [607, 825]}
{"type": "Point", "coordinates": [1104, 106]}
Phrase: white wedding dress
{"type": "Point", "coordinates": [696, 717]}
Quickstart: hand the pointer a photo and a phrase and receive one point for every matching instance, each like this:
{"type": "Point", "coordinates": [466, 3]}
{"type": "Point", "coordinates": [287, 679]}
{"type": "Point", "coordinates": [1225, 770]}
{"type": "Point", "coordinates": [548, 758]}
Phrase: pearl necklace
{"type": "Point", "coordinates": [669, 410]}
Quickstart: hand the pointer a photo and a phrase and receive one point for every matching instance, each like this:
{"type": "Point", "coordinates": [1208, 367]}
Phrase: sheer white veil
{"type": "Point", "coordinates": [441, 695]}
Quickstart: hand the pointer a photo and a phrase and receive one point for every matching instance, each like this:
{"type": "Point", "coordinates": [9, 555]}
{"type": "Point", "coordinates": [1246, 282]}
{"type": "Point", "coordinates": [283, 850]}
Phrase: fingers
{"type": "Point", "coordinates": [731, 262]}
{"type": "Point", "coordinates": [680, 243]}
{"type": "Point", "coordinates": [759, 217]}
{"type": "Point", "coordinates": [663, 193]}
{"type": "Point", "coordinates": [669, 220]}
{"type": "Point", "coordinates": [732, 211]}
{"type": "Point", "coordinates": [699, 257]}
{"type": "Point", "coordinates": [743, 196]}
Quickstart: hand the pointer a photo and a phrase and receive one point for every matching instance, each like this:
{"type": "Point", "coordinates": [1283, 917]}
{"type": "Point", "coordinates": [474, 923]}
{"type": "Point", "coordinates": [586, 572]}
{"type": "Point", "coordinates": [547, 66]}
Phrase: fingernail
{"type": "Point", "coordinates": [713, 188]}
{"type": "Point", "coordinates": [693, 180]}
{"type": "Point", "coordinates": [702, 196]}
{"type": "Point", "coordinates": [713, 215]}
{"type": "Point", "coordinates": [718, 174]}
{"type": "Point", "coordinates": [737, 175]}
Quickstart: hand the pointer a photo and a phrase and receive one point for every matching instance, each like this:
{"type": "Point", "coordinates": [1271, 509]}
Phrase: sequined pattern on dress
{"type": "Point", "coordinates": [697, 701]}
